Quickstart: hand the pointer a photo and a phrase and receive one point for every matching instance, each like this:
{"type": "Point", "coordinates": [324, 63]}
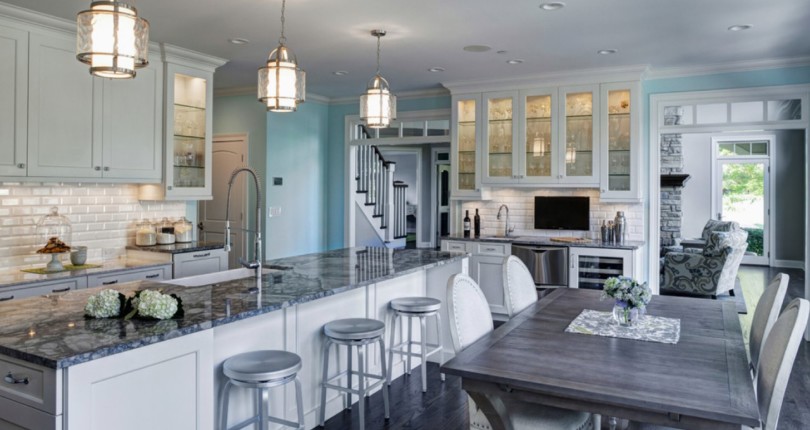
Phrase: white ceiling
{"type": "Point", "coordinates": [329, 35]}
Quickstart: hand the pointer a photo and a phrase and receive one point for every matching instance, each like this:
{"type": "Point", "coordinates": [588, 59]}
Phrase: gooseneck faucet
{"type": "Point", "coordinates": [506, 229]}
{"type": "Point", "coordinates": [256, 264]}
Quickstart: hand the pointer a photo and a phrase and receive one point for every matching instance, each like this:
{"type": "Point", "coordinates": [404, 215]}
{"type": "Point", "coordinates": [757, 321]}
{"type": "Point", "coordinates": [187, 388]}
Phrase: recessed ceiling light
{"type": "Point", "coordinates": [436, 69]}
{"type": "Point", "coordinates": [557, 5]}
{"type": "Point", "coordinates": [238, 41]}
{"type": "Point", "coordinates": [477, 48]}
{"type": "Point", "coordinates": [739, 27]}
{"type": "Point", "coordinates": [514, 61]}
{"type": "Point", "coordinates": [340, 73]}
{"type": "Point", "coordinates": [607, 51]}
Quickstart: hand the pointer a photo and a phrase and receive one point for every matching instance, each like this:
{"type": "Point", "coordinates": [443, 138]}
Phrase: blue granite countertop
{"type": "Point", "coordinates": [178, 248]}
{"type": "Point", "coordinates": [15, 277]}
{"type": "Point", "coordinates": [51, 330]}
{"type": "Point", "coordinates": [546, 241]}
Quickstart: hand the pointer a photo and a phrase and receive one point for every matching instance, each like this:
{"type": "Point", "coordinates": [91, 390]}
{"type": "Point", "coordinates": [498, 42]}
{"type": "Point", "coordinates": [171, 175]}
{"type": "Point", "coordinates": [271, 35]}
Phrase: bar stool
{"type": "Point", "coordinates": [415, 307]}
{"type": "Point", "coordinates": [354, 332]}
{"type": "Point", "coordinates": [260, 370]}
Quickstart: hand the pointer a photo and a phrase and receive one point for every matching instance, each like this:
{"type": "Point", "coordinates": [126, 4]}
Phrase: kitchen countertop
{"type": "Point", "coordinates": [546, 241]}
{"type": "Point", "coordinates": [177, 248]}
{"type": "Point", "coordinates": [15, 277]}
{"type": "Point", "coordinates": [51, 330]}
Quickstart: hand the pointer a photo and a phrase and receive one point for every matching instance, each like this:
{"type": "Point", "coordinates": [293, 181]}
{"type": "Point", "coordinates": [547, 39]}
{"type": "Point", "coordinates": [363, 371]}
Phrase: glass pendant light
{"type": "Point", "coordinates": [282, 84]}
{"type": "Point", "coordinates": [378, 106]}
{"type": "Point", "coordinates": [112, 39]}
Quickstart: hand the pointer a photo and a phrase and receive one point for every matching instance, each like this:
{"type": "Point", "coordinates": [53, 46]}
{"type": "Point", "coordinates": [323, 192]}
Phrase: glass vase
{"type": "Point", "coordinates": [624, 315]}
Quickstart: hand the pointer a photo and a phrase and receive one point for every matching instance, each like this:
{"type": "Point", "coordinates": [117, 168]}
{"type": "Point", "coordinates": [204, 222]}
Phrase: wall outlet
{"type": "Point", "coordinates": [273, 211]}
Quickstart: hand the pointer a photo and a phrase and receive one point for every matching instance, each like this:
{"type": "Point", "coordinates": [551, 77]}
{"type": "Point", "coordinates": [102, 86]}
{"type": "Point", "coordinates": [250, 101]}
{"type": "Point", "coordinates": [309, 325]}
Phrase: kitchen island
{"type": "Point", "coordinates": [88, 374]}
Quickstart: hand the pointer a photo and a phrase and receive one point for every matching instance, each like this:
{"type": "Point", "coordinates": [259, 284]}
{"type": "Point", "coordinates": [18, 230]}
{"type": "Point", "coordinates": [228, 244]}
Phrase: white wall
{"type": "Point", "coordinates": [697, 193]}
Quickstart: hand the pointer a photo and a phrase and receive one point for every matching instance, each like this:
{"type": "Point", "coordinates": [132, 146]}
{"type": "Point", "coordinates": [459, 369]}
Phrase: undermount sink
{"type": "Point", "coordinates": [224, 276]}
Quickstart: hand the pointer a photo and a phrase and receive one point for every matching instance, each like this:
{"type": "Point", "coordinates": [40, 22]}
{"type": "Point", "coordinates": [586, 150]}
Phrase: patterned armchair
{"type": "Point", "coordinates": [696, 246]}
{"type": "Point", "coordinates": [712, 272]}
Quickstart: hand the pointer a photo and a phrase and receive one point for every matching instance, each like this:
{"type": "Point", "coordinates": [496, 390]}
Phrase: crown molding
{"type": "Point", "coordinates": [251, 91]}
{"type": "Point", "coordinates": [29, 16]}
{"type": "Point", "coordinates": [736, 66]}
{"type": "Point", "coordinates": [176, 54]}
{"type": "Point", "coordinates": [405, 95]}
{"type": "Point", "coordinates": [612, 74]}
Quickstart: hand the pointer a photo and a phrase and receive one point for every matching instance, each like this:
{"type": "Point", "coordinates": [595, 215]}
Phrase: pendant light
{"type": "Point", "coordinates": [112, 39]}
{"type": "Point", "coordinates": [282, 84]}
{"type": "Point", "coordinates": [378, 106]}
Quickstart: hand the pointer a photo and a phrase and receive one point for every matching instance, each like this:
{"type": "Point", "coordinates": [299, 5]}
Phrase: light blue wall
{"type": "Point", "coordinates": [336, 178]}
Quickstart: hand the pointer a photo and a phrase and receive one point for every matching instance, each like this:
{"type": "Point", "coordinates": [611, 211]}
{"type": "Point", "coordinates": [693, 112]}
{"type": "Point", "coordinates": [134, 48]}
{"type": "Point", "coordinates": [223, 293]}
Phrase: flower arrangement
{"type": "Point", "coordinates": [146, 304]}
{"type": "Point", "coordinates": [631, 298]}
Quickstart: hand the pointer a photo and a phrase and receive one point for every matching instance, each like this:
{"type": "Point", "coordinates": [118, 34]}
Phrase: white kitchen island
{"type": "Point", "coordinates": [100, 374]}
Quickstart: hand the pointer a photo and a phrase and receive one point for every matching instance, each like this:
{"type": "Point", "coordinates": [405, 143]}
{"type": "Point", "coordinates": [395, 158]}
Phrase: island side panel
{"type": "Point", "coordinates": [436, 287]}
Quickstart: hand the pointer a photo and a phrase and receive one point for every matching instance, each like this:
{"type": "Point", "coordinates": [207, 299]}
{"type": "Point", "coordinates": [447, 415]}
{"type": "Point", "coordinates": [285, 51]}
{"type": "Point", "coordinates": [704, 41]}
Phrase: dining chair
{"type": "Point", "coordinates": [471, 320]}
{"type": "Point", "coordinates": [775, 364]}
{"type": "Point", "coordinates": [518, 286]}
{"type": "Point", "coordinates": [765, 315]}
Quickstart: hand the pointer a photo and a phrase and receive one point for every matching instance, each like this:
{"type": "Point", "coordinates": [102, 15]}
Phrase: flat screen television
{"type": "Point", "coordinates": [562, 213]}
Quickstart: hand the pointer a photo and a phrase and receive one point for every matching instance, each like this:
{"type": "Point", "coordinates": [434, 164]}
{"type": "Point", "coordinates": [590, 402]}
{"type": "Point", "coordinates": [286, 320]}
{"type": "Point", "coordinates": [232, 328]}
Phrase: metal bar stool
{"type": "Point", "coordinates": [415, 307]}
{"type": "Point", "coordinates": [261, 370]}
{"type": "Point", "coordinates": [354, 332]}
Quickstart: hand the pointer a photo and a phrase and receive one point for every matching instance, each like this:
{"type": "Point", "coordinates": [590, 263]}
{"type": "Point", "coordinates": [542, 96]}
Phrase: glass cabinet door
{"type": "Point", "coordinates": [579, 152]}
{"type": "Point", "coordinates": [618, 144]}
{"type": "Point", "coordinates": [499, 132]}
{"type": "Point", "coordinates": [465, 141]}
{"type": "Point", "coordinates": [189, 132]}
{"type": "Point", "coordinates": [539, 153]}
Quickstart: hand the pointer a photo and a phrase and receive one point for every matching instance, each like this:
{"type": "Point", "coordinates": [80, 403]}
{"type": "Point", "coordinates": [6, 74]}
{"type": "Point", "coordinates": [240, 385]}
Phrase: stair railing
{"type": "Point", "coordinates": [375, 178]}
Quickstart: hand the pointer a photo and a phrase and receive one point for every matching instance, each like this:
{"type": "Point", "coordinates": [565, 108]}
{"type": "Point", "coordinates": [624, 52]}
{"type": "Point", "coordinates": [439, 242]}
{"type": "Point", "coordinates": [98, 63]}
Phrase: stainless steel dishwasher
{"type": "Point", "coordinates": [547, 264]}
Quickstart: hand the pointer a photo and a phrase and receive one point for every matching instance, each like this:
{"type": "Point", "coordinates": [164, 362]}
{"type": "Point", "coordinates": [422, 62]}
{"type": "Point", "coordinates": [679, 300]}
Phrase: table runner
{"type": "Point", "coordinates": [648, 328]}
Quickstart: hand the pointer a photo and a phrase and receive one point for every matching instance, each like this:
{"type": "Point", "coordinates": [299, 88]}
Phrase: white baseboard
{"type": "Point", "coordinates": [789, 264]}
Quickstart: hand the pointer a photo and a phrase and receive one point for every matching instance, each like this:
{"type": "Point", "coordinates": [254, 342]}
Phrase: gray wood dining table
{"type": "Point", "coordinates": [702, 382]}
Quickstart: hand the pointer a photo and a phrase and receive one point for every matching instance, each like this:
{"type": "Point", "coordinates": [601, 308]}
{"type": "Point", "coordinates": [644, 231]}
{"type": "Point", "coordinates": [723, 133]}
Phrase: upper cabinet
{"type": "Point", "coordinates": [13, 101]}
{"type": "Point", "coordinates": [583, 136]}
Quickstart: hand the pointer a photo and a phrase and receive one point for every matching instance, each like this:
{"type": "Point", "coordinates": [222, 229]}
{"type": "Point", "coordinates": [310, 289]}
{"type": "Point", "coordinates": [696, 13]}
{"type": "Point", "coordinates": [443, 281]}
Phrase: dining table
{"type": "Point", "coordinates": [701, 382]}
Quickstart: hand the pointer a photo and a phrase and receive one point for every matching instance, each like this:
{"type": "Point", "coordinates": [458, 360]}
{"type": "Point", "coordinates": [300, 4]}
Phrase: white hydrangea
{"type": "Point", "coordinates": [104, 304]}
{"type": "Point", "coordinates": [154, 304]}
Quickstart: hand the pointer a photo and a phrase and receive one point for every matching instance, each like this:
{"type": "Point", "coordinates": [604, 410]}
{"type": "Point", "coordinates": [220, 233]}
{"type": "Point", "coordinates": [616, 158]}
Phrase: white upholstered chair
{"type": "Point", "coordinates": [518, 286]}
{"type": "Point", "coordinates": [765, 315]}
{"type": "Point", "coordinates": [471, 320]}
{"type": "Point", "coordinates": [775, 363]}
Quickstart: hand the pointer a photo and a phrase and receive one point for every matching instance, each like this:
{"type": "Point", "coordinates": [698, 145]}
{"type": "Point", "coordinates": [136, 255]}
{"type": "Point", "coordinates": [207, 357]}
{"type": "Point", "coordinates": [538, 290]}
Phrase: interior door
{"type": "Point", "coordinates": [229, 153]}
{"type": "Point", "coordinates": [442, 202]}
{"type": "Point", "coordinates": [742, 195]}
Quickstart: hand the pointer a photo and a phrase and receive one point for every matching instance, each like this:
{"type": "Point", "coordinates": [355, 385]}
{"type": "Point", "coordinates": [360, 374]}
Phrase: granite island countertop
{"type": "Point", "coordinates": [15, 277]}
{"type": "Point", "coordinates": [546, 241]}
{"type": "Point", "coordinates": [179, 248]}
{"type": "Point", "coordinates": [51, 330]}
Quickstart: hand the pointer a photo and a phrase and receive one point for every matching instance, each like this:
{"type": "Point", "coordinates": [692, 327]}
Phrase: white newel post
{"type": "Point", "coordinates": [389, 202]}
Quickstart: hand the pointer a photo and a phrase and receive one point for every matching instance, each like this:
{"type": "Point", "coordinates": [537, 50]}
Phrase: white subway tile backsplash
{"type": "Point", "coordinates": [103, 217]}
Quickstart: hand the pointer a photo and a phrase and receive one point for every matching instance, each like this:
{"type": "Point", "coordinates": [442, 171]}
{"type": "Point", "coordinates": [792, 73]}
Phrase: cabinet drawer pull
{"type": "Point", "coordinates": [21, 166]}
{"type": "Point", "coordinates": [207, 254]}
{"type": "Point", "coordinates": [153, 276]}
{"type": "Point", "coordinates": [13, 380]}
{"type": "Point", "coordinates": [60, 290]}
{"type": "Point", "coordinates": [7, 298]}
{"type": "Point", "coordinates": [489, 249]}
{"type": "Point", "coordinates": [110, 282]}
{"type": "Point", "coordinates": [97, 168]}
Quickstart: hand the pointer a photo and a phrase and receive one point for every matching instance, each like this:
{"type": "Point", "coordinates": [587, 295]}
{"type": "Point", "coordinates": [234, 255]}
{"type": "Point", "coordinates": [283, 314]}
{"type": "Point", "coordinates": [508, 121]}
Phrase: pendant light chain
{"type": "Point", "coordinates": [282, 40]}
{"type": "Point", "coordinates": [378, 53]}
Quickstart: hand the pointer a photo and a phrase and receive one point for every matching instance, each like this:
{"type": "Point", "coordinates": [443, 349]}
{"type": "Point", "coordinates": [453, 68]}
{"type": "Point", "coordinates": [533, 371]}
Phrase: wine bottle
{"type": "Point", "coordinates": [477, 224]}
{"type": "Point", "coordinates": [467, 224]}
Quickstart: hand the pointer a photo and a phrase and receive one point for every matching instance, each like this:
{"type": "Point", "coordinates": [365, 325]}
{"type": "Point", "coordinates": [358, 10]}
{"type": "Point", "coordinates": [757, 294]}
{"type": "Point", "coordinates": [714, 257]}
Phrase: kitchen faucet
{"type": "Point", "coordinates": [506, 229]}
{"type": "Point", "coordinates": [256, 264]}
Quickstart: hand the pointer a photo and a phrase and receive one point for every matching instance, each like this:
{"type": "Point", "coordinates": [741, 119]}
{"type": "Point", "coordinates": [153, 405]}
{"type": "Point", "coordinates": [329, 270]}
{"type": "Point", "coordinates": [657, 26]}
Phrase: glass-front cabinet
{"type": "Point", "coordinates": [466, 115]}
{"type": "Point", "coordinates": [578, 127]}
{"type": "Point", "coordinates": [538, 155]}
{"type": "Point", "coordinates": [619, 129]}
{"type": "Point", "coordinates": [500, 128]}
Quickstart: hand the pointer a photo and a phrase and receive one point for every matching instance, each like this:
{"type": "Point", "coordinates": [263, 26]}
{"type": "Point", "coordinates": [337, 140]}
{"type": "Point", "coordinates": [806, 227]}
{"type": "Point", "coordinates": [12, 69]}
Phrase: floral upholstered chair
{"type": "Point", "coordinates": [696, 246]}
{"type": "Point", "coordinates": [712, 272]}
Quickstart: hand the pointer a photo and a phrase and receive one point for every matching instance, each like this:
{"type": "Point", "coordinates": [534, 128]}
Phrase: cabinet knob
{"type": "Point", "coordinates": [106, 169]}
{"type": "Point", "coordinates": [603, 190]}
{"type": "Point", "coordinates": [97, 168]}
{"type": "Point", "coordinates": [169, 187]}
{"type": "Point", "coordinates": [21, 166]}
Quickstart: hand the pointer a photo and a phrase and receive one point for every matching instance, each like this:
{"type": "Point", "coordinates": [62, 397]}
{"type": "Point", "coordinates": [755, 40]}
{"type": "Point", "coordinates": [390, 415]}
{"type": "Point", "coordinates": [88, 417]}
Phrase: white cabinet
{"type": "Point", "coordinates": [538, 137]}
{"type": "Point", "coordinates": [200, 262]}
{"type": "Point", "coordinates": [465, 138]}
{"type": "Point", "coordinates": [579, 113]}
{"type": "Point", "coordinates": [42, 288]}
{"type": "Point", "coordinates": [500, 147]}
{"type": "Point", "coordinates": [590, 267]}
{"type": "Point", "coordinates": [620, 122]}
{"type": "Point", "coordinates": [486, 268]}
{"type": "Point", "coordinates": [81, 127]}
{"type": "Point", "coordinates": [30, 396]}
{"type": "Point", "coordinates": [13, 101]}
{"type": "Point", "coordinates": [149, 274]}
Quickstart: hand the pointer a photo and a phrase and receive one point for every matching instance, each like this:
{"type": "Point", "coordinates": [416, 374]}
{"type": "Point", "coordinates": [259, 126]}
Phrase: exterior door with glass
{"type": "Point", "coordinates": [742, 193]}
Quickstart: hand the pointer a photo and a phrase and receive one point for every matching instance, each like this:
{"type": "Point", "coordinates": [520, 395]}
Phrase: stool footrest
{"type": "Point", "coordinates": [400, 349]}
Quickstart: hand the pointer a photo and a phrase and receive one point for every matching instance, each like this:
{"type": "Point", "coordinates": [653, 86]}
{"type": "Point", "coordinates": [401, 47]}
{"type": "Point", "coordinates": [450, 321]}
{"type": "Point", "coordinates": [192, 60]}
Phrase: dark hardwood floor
{"type": "Point", "coordinates": [444, 406]}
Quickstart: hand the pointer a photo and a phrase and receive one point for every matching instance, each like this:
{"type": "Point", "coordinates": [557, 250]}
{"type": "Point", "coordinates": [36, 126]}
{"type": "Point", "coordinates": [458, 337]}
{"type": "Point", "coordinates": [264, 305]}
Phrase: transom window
{"type": "Point", "coordinates": [742, 149]}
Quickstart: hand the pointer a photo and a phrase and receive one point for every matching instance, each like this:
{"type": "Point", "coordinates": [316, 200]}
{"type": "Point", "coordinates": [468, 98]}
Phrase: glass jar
{"type": "Point", "coordinates": [145, 234]}
{"type": "Point", "coordinates": [55, 230]}
{"type": "Point", "coordinates": [165, 234]}
{"type": "Point", "coordinates": [183, 230]}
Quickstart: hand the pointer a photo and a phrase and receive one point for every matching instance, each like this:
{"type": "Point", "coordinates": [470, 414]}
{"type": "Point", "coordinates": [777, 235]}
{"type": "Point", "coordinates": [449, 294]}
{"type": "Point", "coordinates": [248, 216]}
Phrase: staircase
{"type": "Point", "coordinates": [379, 198]}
